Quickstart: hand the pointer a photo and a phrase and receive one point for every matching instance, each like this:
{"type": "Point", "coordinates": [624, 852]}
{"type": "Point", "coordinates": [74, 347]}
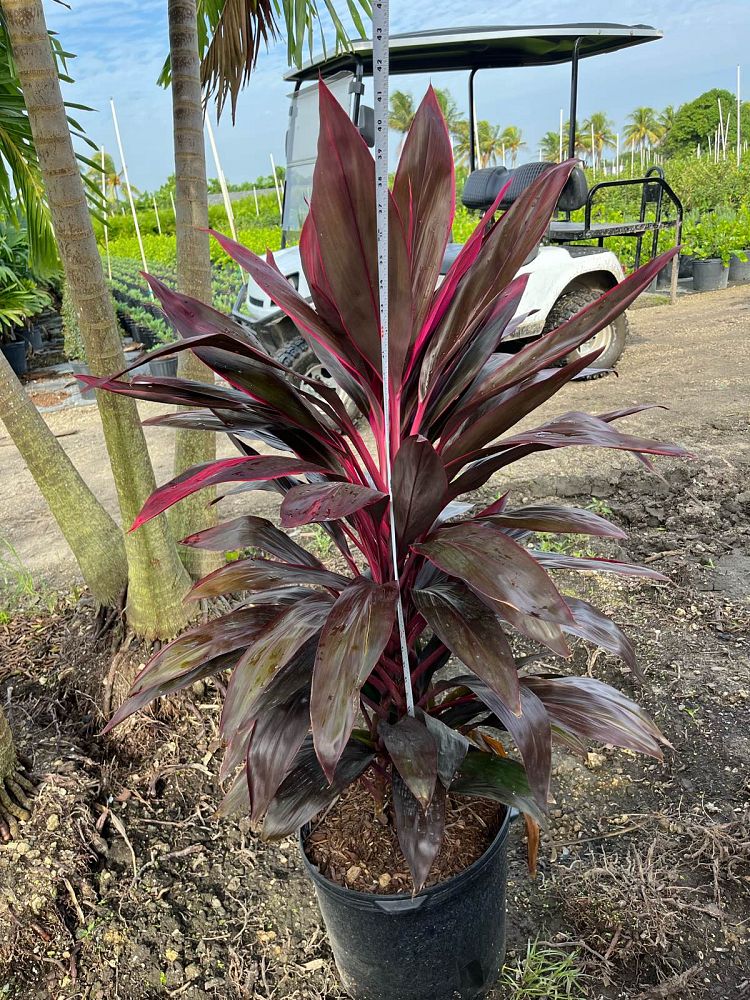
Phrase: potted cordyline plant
{"type": "Point", "coordinates": [316, 710]}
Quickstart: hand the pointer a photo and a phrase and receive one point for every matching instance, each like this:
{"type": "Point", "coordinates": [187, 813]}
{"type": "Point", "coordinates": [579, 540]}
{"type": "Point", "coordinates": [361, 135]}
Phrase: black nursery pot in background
{"type": "Point", "coordinates": [15, 352]}
{"type": "Point", "coordinates": [446, 942]}
{"type": "Point", "coordinates": [709, 275]}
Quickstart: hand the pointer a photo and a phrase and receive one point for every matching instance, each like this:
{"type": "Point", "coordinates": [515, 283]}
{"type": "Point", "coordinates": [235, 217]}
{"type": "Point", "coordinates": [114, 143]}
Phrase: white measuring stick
{"type": "Point", "coordinates": [380, 69]}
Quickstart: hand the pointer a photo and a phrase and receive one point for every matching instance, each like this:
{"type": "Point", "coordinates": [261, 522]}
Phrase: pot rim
{"type": "Point", "coordinates": [448, 885]}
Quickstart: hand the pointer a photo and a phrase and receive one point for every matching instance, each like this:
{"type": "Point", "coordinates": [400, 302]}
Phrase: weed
{"type": "Point", "coordinates": [15, 579]}
{"type": "Point", "coordinates": [568, 545]}
{"type": "Point", "coordinates": [599, 507]}
{"type": "Point", "coordinates": [546, 974]}
{"type": "Point", "coordinates": [322, 541]}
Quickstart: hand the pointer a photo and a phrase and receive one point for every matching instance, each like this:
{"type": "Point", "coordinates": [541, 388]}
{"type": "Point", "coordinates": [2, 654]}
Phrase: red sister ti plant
{"type": "Point", "coordinates": [316, 698]}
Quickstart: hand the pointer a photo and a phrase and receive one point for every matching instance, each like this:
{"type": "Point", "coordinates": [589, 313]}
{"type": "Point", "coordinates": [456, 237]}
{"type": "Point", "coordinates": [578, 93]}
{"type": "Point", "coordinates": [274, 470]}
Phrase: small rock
{"type": "Point", "coordinates": [353, 874]}
{"type": "Point", "coordinates": [317, 963]}
{"type": "Point", "coordinates": [384, 881]}
{"type": "Point", "coordinates": [192, 971]}
{"type": "Point", "coordinates": [53, 822]}
{"type": "Point", "coordinates": [171, 955]}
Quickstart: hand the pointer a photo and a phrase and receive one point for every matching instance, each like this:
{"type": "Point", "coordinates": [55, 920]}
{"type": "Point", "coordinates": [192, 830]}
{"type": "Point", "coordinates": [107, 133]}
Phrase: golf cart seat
{"type": "Point", "coordinates": [483, 186]}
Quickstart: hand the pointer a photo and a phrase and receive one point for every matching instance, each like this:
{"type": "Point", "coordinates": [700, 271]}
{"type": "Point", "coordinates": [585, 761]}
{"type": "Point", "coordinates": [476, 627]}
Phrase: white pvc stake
{"type": "Point", "coordinates": [222, 180]}
{"type": "Point", "coordinates": [721, 127]}
{"type": "Point", "coordinates": [617, 153]}
{"type": "Point", "coordinates": [560, 158]}
{"type": "Point", "coordinates": [127, 185]}
{"type": "Point", "coordinates": [106, 213]}
{"type": "Point", "coordinates": [276, 185]}
{"type": "Point", "coordinates": [593, 149]}
{"type": "Point", "coordinates": [380, 68]}
{"type": "Point", "coordinates": [255, 195]}
{"type": "Point", "coordinates": [156, 209]}
{"type": "Point", "coordinates": [174, 207]}
{"type": "Point", "coordinates": [739, 110]}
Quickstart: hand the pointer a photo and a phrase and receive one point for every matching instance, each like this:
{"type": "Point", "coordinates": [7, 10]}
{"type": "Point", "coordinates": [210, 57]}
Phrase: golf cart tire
{"type": "Point", "coordinates": [296, 354]}
{"type": "Point", "coordinates": [570, 304]}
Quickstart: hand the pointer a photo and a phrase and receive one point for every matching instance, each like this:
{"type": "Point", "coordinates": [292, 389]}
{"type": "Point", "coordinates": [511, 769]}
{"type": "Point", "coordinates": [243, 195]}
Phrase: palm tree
{"type": "Point", "coordinates": [490, 143]}
{"type": "Point", "coordinates": [550, 146]}
{"type": "Point", "coordinates": [401, 113]}
{"type": "Point", "coordinates": [512, 139]}
{"type": "Point", "coordinates": [113, 178]}
{"type": "Point", "coordinates": [157, 581]}
{"type": "Point", "coordinates": [643, 129]}
{"type": "Point", "coordinates": [666, 121]}
{"type": "Point", "coordinates": [453, 117]}
{"type": "Point", "coordinates": [601, 128]}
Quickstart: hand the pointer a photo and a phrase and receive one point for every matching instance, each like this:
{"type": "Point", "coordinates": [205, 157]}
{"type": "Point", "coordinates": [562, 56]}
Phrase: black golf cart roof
{"type": "Point", "coordinates": [483, 48]}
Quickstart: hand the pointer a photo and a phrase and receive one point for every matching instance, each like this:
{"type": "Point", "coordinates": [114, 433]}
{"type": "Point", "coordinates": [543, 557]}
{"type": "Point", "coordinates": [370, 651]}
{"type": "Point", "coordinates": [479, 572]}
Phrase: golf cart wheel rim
{"type": "Point", "coordinates": [319, 373]}
{"type": "Point", "coordinates": [600, 341]}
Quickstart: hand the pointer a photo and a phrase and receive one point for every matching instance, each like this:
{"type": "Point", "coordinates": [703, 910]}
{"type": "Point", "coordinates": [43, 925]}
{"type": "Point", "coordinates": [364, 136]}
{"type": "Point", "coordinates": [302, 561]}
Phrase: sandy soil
{"type": "Point", "coordinates": [693, 357]}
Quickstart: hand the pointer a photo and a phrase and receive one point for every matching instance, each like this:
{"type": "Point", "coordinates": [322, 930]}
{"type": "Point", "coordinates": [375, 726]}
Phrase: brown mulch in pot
{"type": "Point", "coordinates": [355, 848]}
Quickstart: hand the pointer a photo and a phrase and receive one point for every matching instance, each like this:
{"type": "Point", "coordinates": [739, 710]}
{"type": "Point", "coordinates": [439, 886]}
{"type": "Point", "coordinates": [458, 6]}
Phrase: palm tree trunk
{"type": "Point", "coordinates": [14, 785]}
{"type": "Point", "coordinates": [157, 580]}
{"type": "Point", "coordinates": [94, 538]}
{"type": "Point", "coordinates": [193, 256]}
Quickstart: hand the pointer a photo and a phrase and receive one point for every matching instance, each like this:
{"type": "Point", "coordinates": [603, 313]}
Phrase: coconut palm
{"type": "Point", "coordinates": [401, 113]}
{"type": "Point", "coordinates": [550, 146]}
{"type": "Point", "coordinates": [643, 128]}
{"type": "Point", "coordinates": [491, 140]}
{"type": "Point", "coordinates": [666, 121]}
{"type": "Point", "coordinates": [601, 128]}
{"type": "Point", "coordinates": [453, 117]}
{"type": "Point", "coordinates": [512, 139]}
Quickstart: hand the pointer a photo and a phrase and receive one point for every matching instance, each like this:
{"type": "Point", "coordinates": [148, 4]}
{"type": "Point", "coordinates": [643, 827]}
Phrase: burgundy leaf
{"type": "Point", "coordinates": [546, 517]}
{"type": "Point", "coordinates": [473, 634]}
{"type": "Point", "coordinates": [251, 531]}
{"type": "Point", "coordinates": [558, 560]}
{"type": "Point", "coordinates": [343, 202]}
{"type": "Point", "coordinates": [274, 647]}
{"type": "Point", "coordinates": [420, 832]}
{"type": "Point", "coordinates": [452, 747]}
{"type": "Point", "coordinates": [425, 197]}
{"type": "Point", "coordinates": [492, 563]}
{"type": "Point", "coordinates": [259, 574]}
{"type": "Point", "coordinates": [177, 664]}
{"type": "Point", "coordinates": [530, 730]}
{"type": "Point", "coordinates": [281, 292]}
{"type": "Point", "coordinates": [500, 779]}
{"type": "Point", "coordinates": [593, 626]}
{"type": "Point", "coordinates": [414, 753]}
{"type": "Point", "coordinates": [502, 253]}
{"type": "Point", "coordinates": [236, 801]}
{"type": "Point", "coordinates": [593, 710]}
{"type": "Point", "coordinates": [546, 633]}
{"type": "Point", "coordinates": [183, 392]}
{"type": "Point", "coordinates": [419, 487]}
{"type": "Point", "coordinates": [555, 345]}
{"type": "Point", "coordinates": [276, 737]}
{"type": "Point", "coordinates": [353, 639]}
{"type": "Point", "coordinates": [306, 790]}
{"type": "Point", "coordinates": [505, 411]}
{"type": "Point", "coordinates": [227, 470]}
{"type": "Point", "coordinates": [325, 502]}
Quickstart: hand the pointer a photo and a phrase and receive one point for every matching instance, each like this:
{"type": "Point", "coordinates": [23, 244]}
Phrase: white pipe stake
{"type": "Point", "coordinates": [562, 126]}
{"type": "Point", "coordinates": [127, 185]}
{"type": "Point", "coordinates": [276, 185]}
{"type": "Point", "coordinates": [222, 180]}
{"type": "Point", "coordinates": [739, 116]}
{"type": "Point", "coordinates": [255, 195]}
{"type": "Point", "coordinates": [156, 209]}
{"type": "Point", "coordinates": [106, 213]}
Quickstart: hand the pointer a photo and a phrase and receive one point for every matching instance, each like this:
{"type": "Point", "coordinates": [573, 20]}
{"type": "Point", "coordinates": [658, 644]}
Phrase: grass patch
{"type": "Point", "coordinates": [546, 974]}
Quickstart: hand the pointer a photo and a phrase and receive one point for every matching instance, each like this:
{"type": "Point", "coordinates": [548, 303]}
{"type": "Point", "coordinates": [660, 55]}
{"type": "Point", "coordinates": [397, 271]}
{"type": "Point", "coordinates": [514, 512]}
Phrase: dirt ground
{"type": "Point", "coordinates": [124, 885]}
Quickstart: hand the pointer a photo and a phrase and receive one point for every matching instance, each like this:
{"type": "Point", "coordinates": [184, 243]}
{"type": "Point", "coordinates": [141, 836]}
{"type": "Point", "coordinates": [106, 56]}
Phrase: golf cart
{"type": "Point", "coordinates": [570, 269]}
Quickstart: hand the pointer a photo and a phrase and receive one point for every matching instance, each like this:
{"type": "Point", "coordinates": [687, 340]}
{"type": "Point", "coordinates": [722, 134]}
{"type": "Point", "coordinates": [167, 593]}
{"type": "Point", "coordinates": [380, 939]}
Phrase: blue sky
{"type": "Point", "coordinates": [121, 44]}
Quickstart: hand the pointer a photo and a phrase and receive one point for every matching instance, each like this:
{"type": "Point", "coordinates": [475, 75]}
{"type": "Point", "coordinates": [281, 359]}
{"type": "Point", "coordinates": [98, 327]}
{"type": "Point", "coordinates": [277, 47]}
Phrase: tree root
{"type": "Point", "coordinates": [15, 804]}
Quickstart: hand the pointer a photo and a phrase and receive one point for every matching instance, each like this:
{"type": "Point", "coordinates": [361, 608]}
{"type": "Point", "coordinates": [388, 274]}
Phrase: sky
{"type": "Point", "coordinates": [120, 47]}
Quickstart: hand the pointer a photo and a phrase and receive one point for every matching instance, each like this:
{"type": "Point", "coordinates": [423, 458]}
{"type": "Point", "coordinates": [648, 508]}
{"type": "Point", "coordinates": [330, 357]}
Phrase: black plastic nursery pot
{"type": "Point", "coordinates": [447, 942]}
{"type": "Point", "coordinates": [81, 368]}
{"type": "Point", "coordinates": [709, 275]}
{"type": "Point", "coordinates": [15, 352]}
{"type": "Point", "coordinates": [739, 270]}
{"type": "Point", "coordinates": [33, 337]}
{"type": "Point", "coordinates": [686, 266]}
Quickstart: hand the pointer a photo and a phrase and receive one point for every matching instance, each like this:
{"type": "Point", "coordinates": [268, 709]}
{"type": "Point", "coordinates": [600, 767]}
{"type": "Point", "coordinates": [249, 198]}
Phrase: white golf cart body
{"type": "Point", "coordinates": [572, 261]}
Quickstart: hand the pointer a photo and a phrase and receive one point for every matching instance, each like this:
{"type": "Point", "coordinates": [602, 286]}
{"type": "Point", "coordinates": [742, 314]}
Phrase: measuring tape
{"type": "Point", "coordinates": [380, 70]}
